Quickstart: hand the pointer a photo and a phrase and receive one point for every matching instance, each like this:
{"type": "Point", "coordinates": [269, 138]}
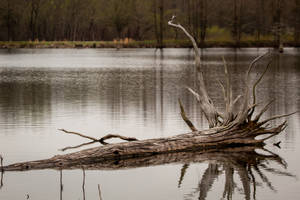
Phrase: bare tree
{"type": "Point", "coordinates": [277, 21]}
{"type": "Point", "coordinates": [297, 21]}
{"type": "Point", "coordinates": [34, 14]}
{"type": "Point", "coordinates": [237, 20]}
{"type": "Point", "coordinates": [260, 18]}
{"type": "Point", "coordinates": [203, 20]}
{"type": "Point", "coordinates": [159, 27]}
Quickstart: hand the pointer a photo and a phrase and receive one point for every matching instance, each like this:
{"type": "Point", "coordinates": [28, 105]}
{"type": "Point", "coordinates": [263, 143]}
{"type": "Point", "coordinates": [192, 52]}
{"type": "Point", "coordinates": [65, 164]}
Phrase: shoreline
{"type": "Point", "coordinates": [136, 44]}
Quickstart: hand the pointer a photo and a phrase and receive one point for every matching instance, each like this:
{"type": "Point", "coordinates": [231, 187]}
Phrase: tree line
{"type": "Point", "coordinates": [91, 20]}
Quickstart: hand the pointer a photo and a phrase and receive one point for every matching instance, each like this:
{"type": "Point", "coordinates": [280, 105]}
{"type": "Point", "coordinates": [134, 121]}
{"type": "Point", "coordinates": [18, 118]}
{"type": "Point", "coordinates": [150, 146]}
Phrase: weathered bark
{"type": "Point", "coordinates": [239, 160]}
{"type": "Point", "coordinates": [226, 129]}
{"type": "Point", "coordinates": [199, 140]}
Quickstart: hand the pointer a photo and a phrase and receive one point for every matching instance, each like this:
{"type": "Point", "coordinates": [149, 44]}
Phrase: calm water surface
{"type": "Point", "coordinates": [134, 92]}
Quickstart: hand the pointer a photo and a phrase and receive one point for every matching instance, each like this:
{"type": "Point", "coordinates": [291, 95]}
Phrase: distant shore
{"type": "Point", "coordinates": [136, 44]}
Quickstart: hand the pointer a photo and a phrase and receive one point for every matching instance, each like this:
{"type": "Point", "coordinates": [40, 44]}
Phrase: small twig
{"type": "Point", "coordinates": [243, 114]}
{"type": "Point", "coordinates": [276, 131]}
{"type": "Point", "coordinates": [192, 39]}
{"type": "Point", "coordinates": [236, 99]}
{"type": "Point", "coordinates": [116, 136]}
{"type": "Point", "coordinates": [276, 117]}
{"type": "Point", "coordinates": [266, 107]}
{"type": "Point", "coordinates": [79, 134]}
{"type": "Point", "coordinates": [254, 88]}
{"type": "Point", "coordinates": [185, 118]}
{"type": "Point", "coordinates": [194, 93]}
{"type": "Point", "coordinates": [253, 63]}
{"type": "Point", "coordinates": [258, 81]}
{"type": "Point", "coordinates": [228, 84]}
{"type": "Point", "coordinates": [78, 146]}
{"type": "Point", "coordinates": [101, 140]}
{"type": "Point", "coordinates": [99, 191]}
{"type": "Point", "coordinates": [224, 92]}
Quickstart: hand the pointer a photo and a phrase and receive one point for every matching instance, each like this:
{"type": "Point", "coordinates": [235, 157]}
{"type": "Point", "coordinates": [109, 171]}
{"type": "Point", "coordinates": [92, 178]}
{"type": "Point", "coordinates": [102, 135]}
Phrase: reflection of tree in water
{"type": "Point", "coordinates": [247, 164]}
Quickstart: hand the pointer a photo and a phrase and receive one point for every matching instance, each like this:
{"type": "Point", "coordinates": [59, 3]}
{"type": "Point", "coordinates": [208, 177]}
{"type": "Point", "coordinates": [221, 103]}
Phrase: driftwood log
{"type": "Point", "coordinates": [249, 163]}
{"type": "Point", "coordinates": [236, 126]}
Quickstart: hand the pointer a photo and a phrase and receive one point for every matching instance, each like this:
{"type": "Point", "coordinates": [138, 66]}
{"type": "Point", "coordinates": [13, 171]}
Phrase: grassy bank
{"type": "Point", "coordinates": [139, 44]}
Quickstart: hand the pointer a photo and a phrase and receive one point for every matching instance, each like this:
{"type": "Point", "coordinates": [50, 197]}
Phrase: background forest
{"type": "Point", "coordinates": [106, 20]}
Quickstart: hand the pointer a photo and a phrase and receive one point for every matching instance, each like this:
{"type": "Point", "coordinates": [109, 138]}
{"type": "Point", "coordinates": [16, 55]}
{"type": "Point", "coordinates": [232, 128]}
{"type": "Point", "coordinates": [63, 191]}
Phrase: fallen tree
{"type": "Point", "coordinates": [236, 126]}
{"type": "Point", "coordinates": [249, 163]}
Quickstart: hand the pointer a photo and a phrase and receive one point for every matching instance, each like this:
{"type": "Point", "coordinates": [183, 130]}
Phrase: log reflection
{"type": "Point", "coordinates": [248, 163]}
{"type": "Point", "coordinates": [250, 167]}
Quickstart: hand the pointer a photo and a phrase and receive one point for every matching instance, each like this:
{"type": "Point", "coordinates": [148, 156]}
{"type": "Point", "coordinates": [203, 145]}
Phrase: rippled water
{"type": "Point", "coordinates": [134, 92]}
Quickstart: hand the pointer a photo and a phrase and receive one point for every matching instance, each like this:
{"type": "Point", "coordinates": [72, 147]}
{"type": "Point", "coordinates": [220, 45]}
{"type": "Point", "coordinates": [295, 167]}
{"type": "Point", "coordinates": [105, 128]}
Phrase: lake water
{"type": "Point", "coordinates": [134, 92]}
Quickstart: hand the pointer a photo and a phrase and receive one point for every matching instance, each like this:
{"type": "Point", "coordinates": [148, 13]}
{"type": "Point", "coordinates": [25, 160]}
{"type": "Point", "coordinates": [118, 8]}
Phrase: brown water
{"type": "Point", "coordinates": [134, 92]}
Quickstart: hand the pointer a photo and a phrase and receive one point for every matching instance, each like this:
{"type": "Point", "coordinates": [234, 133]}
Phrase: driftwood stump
{"type": "Point", "coordinates": [227, 129]}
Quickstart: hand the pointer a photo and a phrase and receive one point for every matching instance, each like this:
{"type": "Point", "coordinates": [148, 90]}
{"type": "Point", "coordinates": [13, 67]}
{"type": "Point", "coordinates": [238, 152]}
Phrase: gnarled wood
{"type": "Point", "coordinates": [200, 140]}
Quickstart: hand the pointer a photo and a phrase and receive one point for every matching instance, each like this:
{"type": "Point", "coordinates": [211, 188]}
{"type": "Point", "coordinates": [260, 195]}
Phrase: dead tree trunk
{"type": "Point", "coordinates": [227, 129]}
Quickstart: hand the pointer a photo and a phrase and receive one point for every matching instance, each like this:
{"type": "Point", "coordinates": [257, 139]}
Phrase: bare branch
{"type": "Point", "coordinates": [194, 93]}
{"type": "Point", "coordinates": [206, 103]}
{"type": "Point", "coordinates": [258, 81]}
{"type": "Point", "coordinates": [276, 117]}
{"type": "Point", "coordinates": [197, 52]}
{"type": "Point", "coordinates": [253, 63]}
{"type": "Point", "coordinates": [109, 136]}
{"type": "Point", "coordinates": [101, 140]}
{"type": "Point", "coordinates": [78, 146]}
{"type": "Point", "coordinates": [185, 118]}
{"type": "Point", "coordinates": [266, 107]}
{"type": "Point", "coordinates": [276, 131]}
{"type": "Point", "coordinates": [79, 134]}
{"type": "Point", "coordinates": [228, 83]}
{"type": "Point", "coordinates": [243, 114]}
{"type": "Point", "coordinates": [224, 92]}
{"type": "Point", "coordinates": [236, 99]}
